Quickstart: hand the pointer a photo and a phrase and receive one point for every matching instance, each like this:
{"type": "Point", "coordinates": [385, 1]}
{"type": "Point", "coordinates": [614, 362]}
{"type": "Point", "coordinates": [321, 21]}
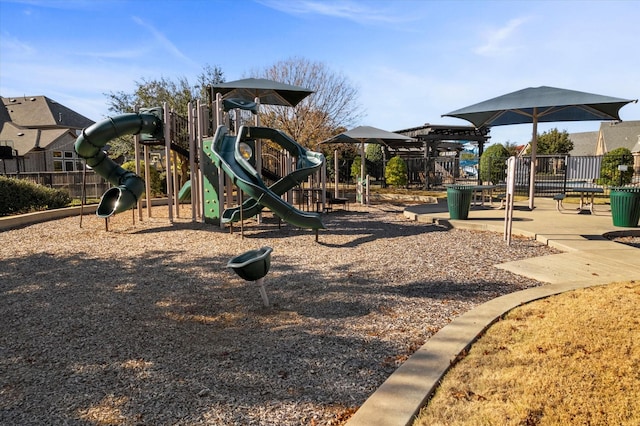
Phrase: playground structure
{"type": "Point", "coordinates": [216, 164]}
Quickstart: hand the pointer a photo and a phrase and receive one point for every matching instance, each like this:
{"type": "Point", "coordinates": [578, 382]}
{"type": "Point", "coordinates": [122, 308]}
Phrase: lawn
{"type": "Point", "coordinates": [570, 359]}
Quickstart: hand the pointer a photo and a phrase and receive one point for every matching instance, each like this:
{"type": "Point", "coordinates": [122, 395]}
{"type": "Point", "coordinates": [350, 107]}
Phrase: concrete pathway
{"type": "Point", "coordinates": [588, 259]}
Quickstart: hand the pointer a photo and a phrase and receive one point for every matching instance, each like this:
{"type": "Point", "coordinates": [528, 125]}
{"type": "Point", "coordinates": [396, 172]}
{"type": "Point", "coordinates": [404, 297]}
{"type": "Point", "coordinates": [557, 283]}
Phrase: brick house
{"type": "Point", "coordinates": [39, 134]}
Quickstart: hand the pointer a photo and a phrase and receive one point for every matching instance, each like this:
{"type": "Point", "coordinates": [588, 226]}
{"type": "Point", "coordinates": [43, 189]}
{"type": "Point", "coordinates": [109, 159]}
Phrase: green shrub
{"type": "Point", "coordinates": [492, 163]}
{"type": "Point", "coordinates": [373, 154]}
{"type": "Point", "coordinates": [18, 196]}
{"type": "Point", "coordinates": [609, 173]}
{"type": "Point", "coordinates": [396, 172]}
{"type": "Point", "coordinates": [355, 168]}
{"type": "Point", "coordinates": [156, 182]}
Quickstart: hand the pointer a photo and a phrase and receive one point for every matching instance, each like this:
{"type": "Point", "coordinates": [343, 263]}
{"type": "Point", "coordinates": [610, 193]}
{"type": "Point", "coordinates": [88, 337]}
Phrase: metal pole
{"type": "Point", "coordinates": [336, 170]}
{"type": "Point", "coordinates": [176, 183]}
{"type": "Point", "coordinates": [241, 215]}
{"type": "Point", "coordinates": [263, 291]}
{"type": "Point", "coordinates": [84, 192]}
{"type": "Point", "coordinates": [136, 149]}
{"type": "Point", "coordinates": [258, 153]}
{"type": "Point", "coordinates": [147, 171]}
{"type": "Point", "coordinates": [534, 147]}
{"type": "Point", "coordinates": [167, 153]}
{"type": "Point", "coordinates": [192, 160]}
{"type": "Point", "coordinates": [362, 161]}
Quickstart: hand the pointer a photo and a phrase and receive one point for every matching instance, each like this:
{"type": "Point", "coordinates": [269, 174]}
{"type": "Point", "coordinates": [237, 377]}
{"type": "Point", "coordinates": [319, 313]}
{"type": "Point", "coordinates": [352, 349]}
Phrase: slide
{"type": "Point", "coordinates": [226, 155]}
{"type": "Point", "coordinates": [128, 187]}
{"type": "Point", "coordinates": [185, 191]}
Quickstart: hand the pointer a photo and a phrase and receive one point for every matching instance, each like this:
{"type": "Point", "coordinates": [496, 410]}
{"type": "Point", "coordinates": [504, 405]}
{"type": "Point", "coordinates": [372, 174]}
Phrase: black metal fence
{"type": "Point", "coordinates": [95, 185]}
{"type": "Point", "coordinates": [554, 174]}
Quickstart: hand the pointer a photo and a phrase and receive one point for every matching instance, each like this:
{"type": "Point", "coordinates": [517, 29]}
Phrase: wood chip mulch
{"type": "Point", "coordinates": [144, 324]}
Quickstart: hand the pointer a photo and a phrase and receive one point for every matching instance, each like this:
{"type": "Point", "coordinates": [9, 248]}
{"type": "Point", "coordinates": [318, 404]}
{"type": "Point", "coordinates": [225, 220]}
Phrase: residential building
{"type": "Point", "coordinates": [40, 134]}
{"type": "Point", "coordinates": [621, 134]}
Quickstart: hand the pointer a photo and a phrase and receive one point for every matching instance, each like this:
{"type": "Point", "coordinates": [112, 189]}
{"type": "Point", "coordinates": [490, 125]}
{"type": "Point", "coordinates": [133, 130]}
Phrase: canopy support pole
{"type": "Point", "coordinates": [362, 167]}
{"type": "Point", "coordinates": [534, 148]}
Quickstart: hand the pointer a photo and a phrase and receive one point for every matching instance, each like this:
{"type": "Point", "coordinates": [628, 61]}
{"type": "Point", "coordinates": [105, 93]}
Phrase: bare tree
{"type": "Point", "coordinates": [331, 108]}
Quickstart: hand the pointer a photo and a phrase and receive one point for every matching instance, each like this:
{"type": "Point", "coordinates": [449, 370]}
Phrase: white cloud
{"type": "Point", "coordinates": [344, 9]}
{"type": "Point", "coordinates": [14, 45]}
{"type": "Point", "coordinates": [164, 41]}
{"type": "Point", "coordinates": [501, 40]}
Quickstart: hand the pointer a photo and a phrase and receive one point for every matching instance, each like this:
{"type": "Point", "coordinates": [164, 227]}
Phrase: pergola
{"type": "Point", "coordinates": [430, 139]}
{"type": "Point", "coordinates": [438, 137]}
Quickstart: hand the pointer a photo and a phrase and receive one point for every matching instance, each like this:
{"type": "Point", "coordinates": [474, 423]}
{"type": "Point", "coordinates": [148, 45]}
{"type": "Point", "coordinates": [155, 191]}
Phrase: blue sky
{"type": "Point", "coordinates": [411, 60]}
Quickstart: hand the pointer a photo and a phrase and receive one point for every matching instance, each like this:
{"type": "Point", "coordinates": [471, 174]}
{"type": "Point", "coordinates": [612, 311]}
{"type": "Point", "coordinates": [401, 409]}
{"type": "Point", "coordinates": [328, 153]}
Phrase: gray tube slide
{"type": "Point", "coordinates": [128, 187]}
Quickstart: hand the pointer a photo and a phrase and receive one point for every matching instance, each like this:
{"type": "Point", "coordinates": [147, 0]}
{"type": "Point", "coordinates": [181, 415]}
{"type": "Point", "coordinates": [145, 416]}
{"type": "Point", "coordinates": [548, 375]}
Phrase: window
{"type": "Point", "coordinates": [57, 166]}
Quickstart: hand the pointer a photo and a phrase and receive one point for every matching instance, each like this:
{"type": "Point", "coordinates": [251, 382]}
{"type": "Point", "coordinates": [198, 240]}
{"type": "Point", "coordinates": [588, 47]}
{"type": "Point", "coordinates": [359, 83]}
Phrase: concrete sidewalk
{"type": "Point", "coordinates": [588, 259]}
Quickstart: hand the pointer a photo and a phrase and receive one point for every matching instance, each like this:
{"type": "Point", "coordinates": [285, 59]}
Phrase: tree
{"type": "Point", "coordinates": [320, 115]}
{"type": "Point", "coordinates": [155, 92]}
{"type": "Point", "coordinates": [373, 155]}
{"type": "Point", "coordinates": [609, 173]}
{"type": "Point", "coordinates": [512, 148]}
{"type": "Point", "coordinates": [553, 142]}
{"type": "Point", "coordinates": [396, 172]}
{"type": "Point", "coordinates": [492, 163]}
{"type": "Point", "coordinates": [356, 166]}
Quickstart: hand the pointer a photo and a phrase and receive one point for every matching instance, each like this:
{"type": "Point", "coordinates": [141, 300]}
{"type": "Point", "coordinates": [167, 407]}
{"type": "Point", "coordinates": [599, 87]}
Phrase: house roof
{"type": "Point", "coordinates": [584, 143]}
{"type": "Point", "coordinates": [34, 122]}
{"type": "Point", "coordinates": [24, 140]}
{"type": "Point", "coordinates": [617, 135]}
{"type": "Point", "coordinates": [41, 112]}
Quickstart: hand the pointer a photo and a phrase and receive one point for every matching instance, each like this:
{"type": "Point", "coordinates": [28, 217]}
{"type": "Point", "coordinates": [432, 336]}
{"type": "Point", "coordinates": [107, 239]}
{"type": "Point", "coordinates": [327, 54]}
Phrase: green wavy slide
{"type": "Point", "coordinates": [227, 155]}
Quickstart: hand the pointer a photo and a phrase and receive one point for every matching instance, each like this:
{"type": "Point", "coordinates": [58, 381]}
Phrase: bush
{"type": "Point", "coordinates": [396, 172]}
{"type": "Point", "coordinates": [609, 173]}
{"type": "Point", "coordinates": [374, 157]}
{"type": "Point", "coordinates": [492, 163]}
{"type": "Point", "coordinates": [157, 183]}
{"type": "Point", "coordinates": [355, 168]}
{"type": "Point", "coordinates": [19, 196]}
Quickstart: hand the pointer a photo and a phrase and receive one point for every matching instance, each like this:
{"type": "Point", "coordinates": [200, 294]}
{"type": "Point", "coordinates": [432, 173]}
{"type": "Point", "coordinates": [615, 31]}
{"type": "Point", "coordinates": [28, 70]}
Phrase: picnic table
{"type": "Point", "coordinates": [483, 189]}
{"type": "Point", "coordinates": [586, 191]}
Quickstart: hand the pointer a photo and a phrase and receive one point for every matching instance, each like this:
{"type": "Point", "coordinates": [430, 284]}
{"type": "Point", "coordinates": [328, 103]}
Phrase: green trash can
{"type": "Point", "coordinates": [459, 201]}
{"type": "Point", "coordinates": [625, 206]}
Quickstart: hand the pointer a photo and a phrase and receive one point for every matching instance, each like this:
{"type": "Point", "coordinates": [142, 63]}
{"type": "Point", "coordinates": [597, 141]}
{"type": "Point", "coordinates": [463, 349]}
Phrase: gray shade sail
{"type": "Point", "coordinates": [268, 91]}
{"type": "Point", "coordinates": [547, 104]}
{"type": "Point", "coordinates": [368, 134]}
{"type": "Point", "coordinates": [540, 104]}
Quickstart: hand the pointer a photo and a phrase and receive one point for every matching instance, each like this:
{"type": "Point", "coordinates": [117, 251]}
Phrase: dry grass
{"type": "Point", "coordinates": [572, 359]}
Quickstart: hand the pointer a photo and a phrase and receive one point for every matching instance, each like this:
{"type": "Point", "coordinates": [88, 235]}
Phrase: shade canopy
{"type": "Point", "coordinates": [268, 91]}
{"type": "Point", "coordinates": [540, 104]}
{"type": "Point", "coordinates": [368, 134]}
{"type": "Point", "coordinates": [547, 104]}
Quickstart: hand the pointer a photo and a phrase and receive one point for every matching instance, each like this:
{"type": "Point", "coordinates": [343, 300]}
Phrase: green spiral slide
{"type": "Point", "coordinates": [226, 154]}
{"type": "Point", "coordinates": [128, 187]}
